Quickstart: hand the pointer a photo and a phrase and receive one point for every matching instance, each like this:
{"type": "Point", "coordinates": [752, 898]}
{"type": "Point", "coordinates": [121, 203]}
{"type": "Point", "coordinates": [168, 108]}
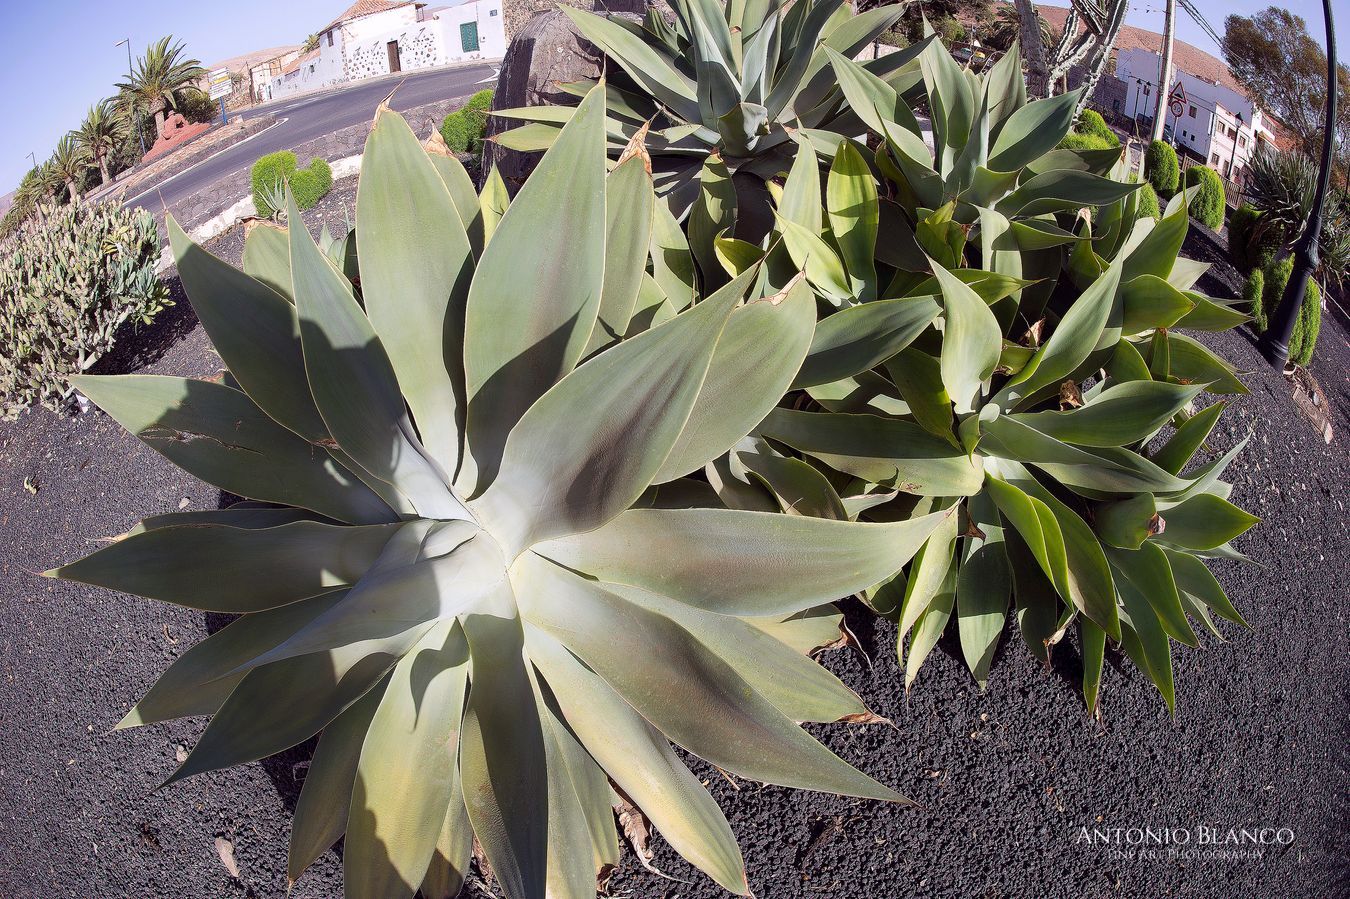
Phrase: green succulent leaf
{"type": "Point", "coordinates": [858, 338]}
{"type": "Point", "coordinates": [1118, 416]}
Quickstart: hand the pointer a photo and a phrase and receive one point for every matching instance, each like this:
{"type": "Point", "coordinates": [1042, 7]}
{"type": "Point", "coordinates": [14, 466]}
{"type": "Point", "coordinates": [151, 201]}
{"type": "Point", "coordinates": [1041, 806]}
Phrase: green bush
{"type": "Point", "coordinates": [463, 129]}
{"type": "Point", "coordinates": [1208, 205]}
{"type": "Point", "coordinates": [1076, 140]}
{"type": "Point", "coordinates": [1091, 122]}
{"type": "Point", "coordinates": [1253, 295]}
{"type": "Point", "coordinates": [1276, 276]}
{"type": "Point", "coordinates": [66, 285]}
{"type": "Point", "coordinates": [309, 185]}
{"type": "Point", "coordinates": [197, 106]}
{"type": "Point", "coordinates": [1148, 201]}
{"type": "Point", "coordinates": [1241, 233]}
{"type": "Point", "coordinates": [1161, 169]}
{"type": "Point", "coordinates": [1309, 322]}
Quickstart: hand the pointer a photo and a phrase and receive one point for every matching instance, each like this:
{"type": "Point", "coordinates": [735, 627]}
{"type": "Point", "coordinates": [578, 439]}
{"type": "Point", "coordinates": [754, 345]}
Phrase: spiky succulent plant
{"type": "Point", "coordinates": [726, 80]}
{"type": "Point", "coordinates": [469, 555]}
{"type": "Point", "coordinates": [1000, 340]}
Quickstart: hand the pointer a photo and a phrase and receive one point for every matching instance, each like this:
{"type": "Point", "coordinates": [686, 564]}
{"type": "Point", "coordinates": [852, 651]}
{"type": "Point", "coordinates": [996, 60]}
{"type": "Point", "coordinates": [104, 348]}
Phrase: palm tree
{"type": "Point", "coordinates": [101, 133]}
{"type": "Point", "coordinates": [160, 78]}
{"type": "Point", "coordinates": [69, 163]}
{"type": "Point", "coordinates": [311, 43]}
{"type": "Point", "coordinates": [1006, 28]}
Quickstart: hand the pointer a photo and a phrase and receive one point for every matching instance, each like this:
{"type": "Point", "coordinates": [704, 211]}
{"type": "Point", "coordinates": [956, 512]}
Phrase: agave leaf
{"type": "Point", "coordinates": [630, 211]}
{"type": "Point", "coordinates": [858, 338]}
{"type": "Point", "coordinates": [282, 705]}
{"type": "Point", "coordinates": [1038, 528]}
{"type": "Point", "coordinates": [219, 435]}
{"type": "Point", "coordinates": [1150, 302]}
{"type": "Point", "coordinates": [1145, 641]}
{"type": "Point", "coordinates": [240, 515]}
{"type": "Point", "coordinates": [1126, 365]}
{"type": "Point", "coordinates": [788, 79]}
{"type": "Point", "coordinates": [1188, 438]}
{"type": "Point", "coordinates": [254, 329]}
{"type": "Point", "coordinates": [406, 774]}
{"type": "Point", "coordinates": [851, 201]}
{"type": "Point", "coordinates": [1156, 252]}
{"type": "Point", "coordinates": [930, 625]}
{"type": "Point", "coordinates": [1104, 470]}
{"type": "Point", "coordinates": [689, 555]}
{"type": "Point", "coordinates": [604, 630]}
{"type": "Point", "coordinates": [416, 264]}
{"type": "Point", "coordinates": [1120, 415]}
{"type": "Point", "coordinates": [493, 203]}
{"type": "Point", "coordinates": [1093, 641]}
{"type": "Point", "coordinates": [1204, 521]}
{"type": "Point", "coordinates": [651, 70]}
{"type": "Point", "coordinates": [1196, 580]}
{"type": "Point", "coordinates": [982, 591]}
{"type": "Point", "coordinates": [233, 570]}
{"type": "Point", "coordinates": [454, 848]}
{"type": "Point", "coordinates": [878, 105]}
{"type": "Point", "coordinates": [801, 201]}
{"type": "Point", "coordinates": [325, 799]}
{"type": "Point", "coordinates": [713, 214]}
{"type": "Point", "coordinates": [1037, 601]}
{"type": "Point", "coordinates": [1064, 190]}
{"type": "Point", "coordinates": [585, 780]}
{"type": "Point", "coordinates": [502, 760]}
{"type": "Point", "coordinates": [1074, 339]}
{"type": "Point", "coordinates": [552, 482]}
{"type": "Point", "coordinates": [460, 185]}
{"type": "Point", "coordinates": [1128, 522]}
{"type": "Point", "coordinates": [641, 762]}
{"type": "Point", "coordinates": [1148, 570]}
{"type": "Point", "coordinates": [883, 451]}
{"type": "Point", "coordinates": [1190, 361]}
{"type": "Point", "coordinates": [971, 341]}
{"type": "Point", "coordinates": [823, 267]}
{"type": "Point", "coordinates": [795, 685]}
{"type": "Point", "coordinates": [267, 256]}
{"type": "Point", "coordinates": [199, 681]}
{"type": "Point", "coordinates": [799, 488]}
{"type": "Point", "coordinates": [761, 347]}
{"type": "Point", "coordinates": [928, 575]}
{"type": "Point", "coordinates": [919, 379]}
{"type": "Point", "coordinates": [1210, 316]}
{"type": "Point", "coordinates": [672, 262]}
{"type": "Point", "coordinates": [550, 289]}
{"type": "Point", "coordinates": [354, 384]}
{"type": "Point", "coordinates": [1032, 131]}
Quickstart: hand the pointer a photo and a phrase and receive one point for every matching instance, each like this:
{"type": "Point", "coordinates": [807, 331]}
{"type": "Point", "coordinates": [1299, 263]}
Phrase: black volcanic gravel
{"type": "Point", "coordinates": [1006, 778]}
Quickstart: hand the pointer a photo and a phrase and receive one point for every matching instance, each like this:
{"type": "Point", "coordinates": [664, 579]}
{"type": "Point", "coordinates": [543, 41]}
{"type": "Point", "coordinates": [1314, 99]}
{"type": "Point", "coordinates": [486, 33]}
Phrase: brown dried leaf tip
{"type": "Point", "coordinates": [1070, 396]}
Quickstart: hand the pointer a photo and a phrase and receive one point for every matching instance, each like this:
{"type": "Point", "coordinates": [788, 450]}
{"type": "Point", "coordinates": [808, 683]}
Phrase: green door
{"type": "Point", "coordinates": [468, 36]}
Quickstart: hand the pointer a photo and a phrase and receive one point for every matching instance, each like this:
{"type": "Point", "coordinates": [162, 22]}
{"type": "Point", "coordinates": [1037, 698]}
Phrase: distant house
{"type": "Point", "coordinates": [1218, 125]}
{"type": "Point", "coordinates": [261, 74]}
{"type": "Point", "coordinates": [378, 37]}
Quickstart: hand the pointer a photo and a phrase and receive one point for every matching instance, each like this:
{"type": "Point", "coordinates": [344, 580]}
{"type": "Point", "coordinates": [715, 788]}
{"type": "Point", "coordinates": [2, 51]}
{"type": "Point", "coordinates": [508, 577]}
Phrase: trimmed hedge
{"type": "Point", "coordinates": [1208, 205]}
{"type": "Point", "coordinates": [1304, 338]}
{"type": "Point", "coordinates": [1091, 122]}
{"type": "Point", "coordinates": [309, 185]}
{"type": "Point", "coordinates": [1161, 169]}
{"type": "Point", "coordinates": [1148, 202]}
{"type": "Point", "coordinates": [1276, 278]}
{"type": "Point", "coordinates": [463, 129]}
{"type": "Point", "coordinates": [1075, 140]}
{"type": "Point", "coordinates": [1252, 295]}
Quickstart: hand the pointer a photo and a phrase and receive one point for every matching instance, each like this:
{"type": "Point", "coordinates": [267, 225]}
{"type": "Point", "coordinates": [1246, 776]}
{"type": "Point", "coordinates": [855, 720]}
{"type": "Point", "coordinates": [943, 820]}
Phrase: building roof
{"type": "Point", "coordinates": [1185, 57]}
{"type": "Point", "coordinates": [249, 60]}
{"type": "Point", "coordinates": [299, 61]}
{"type": "Point", "coordinates": [363, 8]}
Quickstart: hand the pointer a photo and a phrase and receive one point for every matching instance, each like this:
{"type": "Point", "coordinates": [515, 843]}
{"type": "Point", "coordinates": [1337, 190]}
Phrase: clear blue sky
{"type": "Point", "coordinates": [60, 58]}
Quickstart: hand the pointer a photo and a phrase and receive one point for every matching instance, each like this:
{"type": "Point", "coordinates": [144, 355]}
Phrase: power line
{"type": "Point", "coordinates": [1200, 20]}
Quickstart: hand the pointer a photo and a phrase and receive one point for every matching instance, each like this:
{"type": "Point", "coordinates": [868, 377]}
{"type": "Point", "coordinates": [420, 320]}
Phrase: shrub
{"type": "Point", "coordinates": [1076, 140]}
{"type": "Point", "coordinates": [1148, 202]}
{"type": "Point", "coordinates": [1161, 169]}
{"type": "Point", "coordinates": [1309, 322]}
{"type": "Point", "coordinates": [197, 106]}
{"type": "Point", "coordinates": [309, 185]}
{"type": "Point", "coordinates": [1091, 122]}
{"type": "Point", "coordinates": [1253, 294]}
{"type": "Point", "coordinates": [1275, 277]}
{"type": "Point", "coordinates": [66, 285]}
{"type": "Point", "coordinates": [1242, 234]}
{"type": "Point", "coordinates": [1208, 205]}
{"type": "Point", "coordinates": [463, 129]}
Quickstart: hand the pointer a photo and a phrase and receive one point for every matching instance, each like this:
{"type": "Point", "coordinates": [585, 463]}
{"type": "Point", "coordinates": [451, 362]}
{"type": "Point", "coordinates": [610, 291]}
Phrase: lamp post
{"type": "Point", "coordinates": [135, 110]}
{"type": "Point", "coordinates": [1275, 342]}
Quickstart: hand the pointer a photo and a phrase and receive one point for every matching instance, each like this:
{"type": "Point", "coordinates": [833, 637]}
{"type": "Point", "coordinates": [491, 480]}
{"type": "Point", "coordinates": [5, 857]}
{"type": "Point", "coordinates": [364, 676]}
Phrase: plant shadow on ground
{"type": "Point", "coordinates": [138, 345]}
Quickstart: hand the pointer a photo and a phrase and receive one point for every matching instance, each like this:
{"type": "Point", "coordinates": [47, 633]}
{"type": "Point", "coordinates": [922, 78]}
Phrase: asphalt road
{"type": "Point", "coordinates": [307, 118]}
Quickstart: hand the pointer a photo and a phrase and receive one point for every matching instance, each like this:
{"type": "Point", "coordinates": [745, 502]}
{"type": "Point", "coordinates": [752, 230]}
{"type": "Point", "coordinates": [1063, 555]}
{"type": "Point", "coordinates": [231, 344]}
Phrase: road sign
{"type": "Point", "coordinates": [220, 84]}
{"type": "Point", "coordinates": [1177, 108]}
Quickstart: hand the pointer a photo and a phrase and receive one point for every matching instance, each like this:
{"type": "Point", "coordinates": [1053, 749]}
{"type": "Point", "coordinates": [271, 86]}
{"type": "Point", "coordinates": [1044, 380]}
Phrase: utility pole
{"type": "Point", "coordinates": [1165, 74]}
{"type": "Point", "coordinates": [136, 110]}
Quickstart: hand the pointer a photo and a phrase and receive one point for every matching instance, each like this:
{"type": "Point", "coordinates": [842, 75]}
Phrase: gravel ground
{"type": "Point", "coordinates": [1007, 778]}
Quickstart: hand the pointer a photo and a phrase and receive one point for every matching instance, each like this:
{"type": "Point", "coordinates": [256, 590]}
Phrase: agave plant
{"type": "Point", "coordinates": [1059, 416]}
{"type": "Point", "coordinates": [469, 554]}
{"type": "Point", "coordinates": [724, 81]}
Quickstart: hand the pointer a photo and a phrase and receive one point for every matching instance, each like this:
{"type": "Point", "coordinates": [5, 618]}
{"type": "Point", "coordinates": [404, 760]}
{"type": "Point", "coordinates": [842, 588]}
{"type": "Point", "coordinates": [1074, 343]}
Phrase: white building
{"type": "Point", "coordinates": [379, 37]}
{"type": "Point", "coordinates": [1217, 124]}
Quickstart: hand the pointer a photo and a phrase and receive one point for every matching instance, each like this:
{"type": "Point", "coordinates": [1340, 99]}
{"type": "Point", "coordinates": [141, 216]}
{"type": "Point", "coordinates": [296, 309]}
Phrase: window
{"type": "Point", "coordinates": [329, 35]}
{"type": "Point", "coordinates": [1192, 112]}
{"type": "Point", "coordinates": [1214, 159]}
{"type": "Point", "coordinates": [492, 12]}
{"type": "Point", "coordinates": [1146, 90]}
{"type": "Point", "coordinates": [1242, 142]}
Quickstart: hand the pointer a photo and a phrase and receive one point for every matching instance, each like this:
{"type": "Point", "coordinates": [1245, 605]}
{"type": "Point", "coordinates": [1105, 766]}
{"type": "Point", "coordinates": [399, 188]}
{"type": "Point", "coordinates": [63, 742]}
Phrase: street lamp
{"type": "Point", "coordinates": [1275, 342]}
{"type": "Point", "coordinates": [135, 110]}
